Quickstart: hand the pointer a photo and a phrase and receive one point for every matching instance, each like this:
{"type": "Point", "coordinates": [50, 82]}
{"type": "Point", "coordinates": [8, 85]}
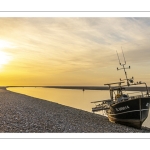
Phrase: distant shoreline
{"type": "Point", "coordinates": [25, 114]}
{"type": "Point", "coordinates": [82, 87]}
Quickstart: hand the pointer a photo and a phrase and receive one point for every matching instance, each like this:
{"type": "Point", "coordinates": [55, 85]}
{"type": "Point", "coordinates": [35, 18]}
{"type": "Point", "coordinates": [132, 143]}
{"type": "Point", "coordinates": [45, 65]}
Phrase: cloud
{"type": "Point", "coordinates": [59, 45]}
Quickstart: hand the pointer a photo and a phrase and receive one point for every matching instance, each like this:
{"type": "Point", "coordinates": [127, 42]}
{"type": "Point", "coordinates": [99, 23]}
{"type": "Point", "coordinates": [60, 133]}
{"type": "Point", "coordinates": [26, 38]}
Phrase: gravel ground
{"type": "Point", "coordinates": [24, 114]}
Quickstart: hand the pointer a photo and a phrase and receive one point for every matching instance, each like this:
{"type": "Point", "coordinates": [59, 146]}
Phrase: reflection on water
{"type": "Point", "coordinates": [73, 98]}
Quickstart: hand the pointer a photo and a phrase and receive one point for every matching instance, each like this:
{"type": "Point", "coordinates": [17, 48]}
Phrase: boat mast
{"type": "Point", "coordinates": [123, 67]}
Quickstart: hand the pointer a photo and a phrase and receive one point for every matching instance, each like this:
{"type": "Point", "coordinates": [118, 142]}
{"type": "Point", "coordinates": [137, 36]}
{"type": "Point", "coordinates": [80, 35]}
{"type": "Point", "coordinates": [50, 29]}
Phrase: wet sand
{"type": "Point", "coordinates": [25, 114]}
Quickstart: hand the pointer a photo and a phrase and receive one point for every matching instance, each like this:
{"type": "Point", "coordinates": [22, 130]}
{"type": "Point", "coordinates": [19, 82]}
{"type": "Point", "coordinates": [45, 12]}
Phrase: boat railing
{"type": "Point", "coordinates": [136, 96]}
{"type": "Point", "coordinates": [140, 95]}
{"type": "Point", "coordinates": [131, 96]}
{"type": "Point", "coordinates": [101, 105]}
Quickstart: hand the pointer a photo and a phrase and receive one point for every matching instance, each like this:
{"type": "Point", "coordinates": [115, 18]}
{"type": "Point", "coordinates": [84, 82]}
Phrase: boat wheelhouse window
{"type": "Point", "coordinates": [124, 95]}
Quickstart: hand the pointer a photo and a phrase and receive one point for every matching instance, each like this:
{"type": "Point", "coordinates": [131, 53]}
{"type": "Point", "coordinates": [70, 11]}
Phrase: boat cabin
{"type": "Point", "coordinates": [117, 94]}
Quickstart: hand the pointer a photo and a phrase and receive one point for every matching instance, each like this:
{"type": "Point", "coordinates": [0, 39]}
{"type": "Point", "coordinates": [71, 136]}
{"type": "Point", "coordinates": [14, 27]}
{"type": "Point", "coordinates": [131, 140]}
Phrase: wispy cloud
{"type": "Point", "coordinates": [61, 45]}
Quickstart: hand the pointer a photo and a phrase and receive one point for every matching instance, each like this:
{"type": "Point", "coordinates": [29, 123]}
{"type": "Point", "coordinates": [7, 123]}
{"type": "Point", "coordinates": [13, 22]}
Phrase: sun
{"type": "Point", "coordinates": [4, 44]}
{"type": "Point", "coordinates": [4, 58]}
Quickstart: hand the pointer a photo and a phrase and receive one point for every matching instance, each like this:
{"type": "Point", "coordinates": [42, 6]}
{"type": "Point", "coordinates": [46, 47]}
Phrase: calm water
{"type": "Point", "coordinates": [74, 98]}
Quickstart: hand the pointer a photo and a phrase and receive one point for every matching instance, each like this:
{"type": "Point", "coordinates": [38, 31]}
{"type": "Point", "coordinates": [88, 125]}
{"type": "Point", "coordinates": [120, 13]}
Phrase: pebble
{"type": "Point", "coordinates": [24, 114]}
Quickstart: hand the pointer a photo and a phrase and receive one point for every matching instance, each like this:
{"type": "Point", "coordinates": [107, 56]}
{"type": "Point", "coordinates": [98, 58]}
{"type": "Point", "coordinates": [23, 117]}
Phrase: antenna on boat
{"type": "Point", "coordinates": [118, 59]}
{"type": "Point", "coordinates": [123, 67]}
{"type": "Point", "coordinates": [123, 57]}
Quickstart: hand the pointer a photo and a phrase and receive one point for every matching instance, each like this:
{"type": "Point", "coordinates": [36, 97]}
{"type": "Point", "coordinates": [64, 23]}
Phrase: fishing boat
{"type": "Point", "coordinates": [129, 109]}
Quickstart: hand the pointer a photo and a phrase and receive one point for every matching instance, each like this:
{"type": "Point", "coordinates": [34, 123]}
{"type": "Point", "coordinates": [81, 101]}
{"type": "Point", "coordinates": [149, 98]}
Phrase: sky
{"type": "Point", "coordinates": [73, 51]}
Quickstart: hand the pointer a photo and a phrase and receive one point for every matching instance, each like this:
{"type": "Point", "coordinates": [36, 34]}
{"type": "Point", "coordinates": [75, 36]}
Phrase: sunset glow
{"type": "Point", "coordinates": [4, 58]}
{"type": "Point", "coordinates": [72, 51]}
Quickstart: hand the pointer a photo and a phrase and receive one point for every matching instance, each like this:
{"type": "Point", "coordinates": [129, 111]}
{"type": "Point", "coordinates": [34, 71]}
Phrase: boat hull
{"type": "Point", "coordinates": [130, 112]}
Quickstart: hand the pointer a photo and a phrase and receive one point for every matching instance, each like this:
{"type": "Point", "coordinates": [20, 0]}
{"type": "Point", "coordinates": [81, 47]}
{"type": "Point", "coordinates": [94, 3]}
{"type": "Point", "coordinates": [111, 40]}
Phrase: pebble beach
{"type": "Point", "coordinates": [25, 114]}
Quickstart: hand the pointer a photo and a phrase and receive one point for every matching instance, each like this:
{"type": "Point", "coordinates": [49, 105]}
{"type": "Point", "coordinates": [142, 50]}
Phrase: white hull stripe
{"type": "Point", "coordinates": [127, 112]}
